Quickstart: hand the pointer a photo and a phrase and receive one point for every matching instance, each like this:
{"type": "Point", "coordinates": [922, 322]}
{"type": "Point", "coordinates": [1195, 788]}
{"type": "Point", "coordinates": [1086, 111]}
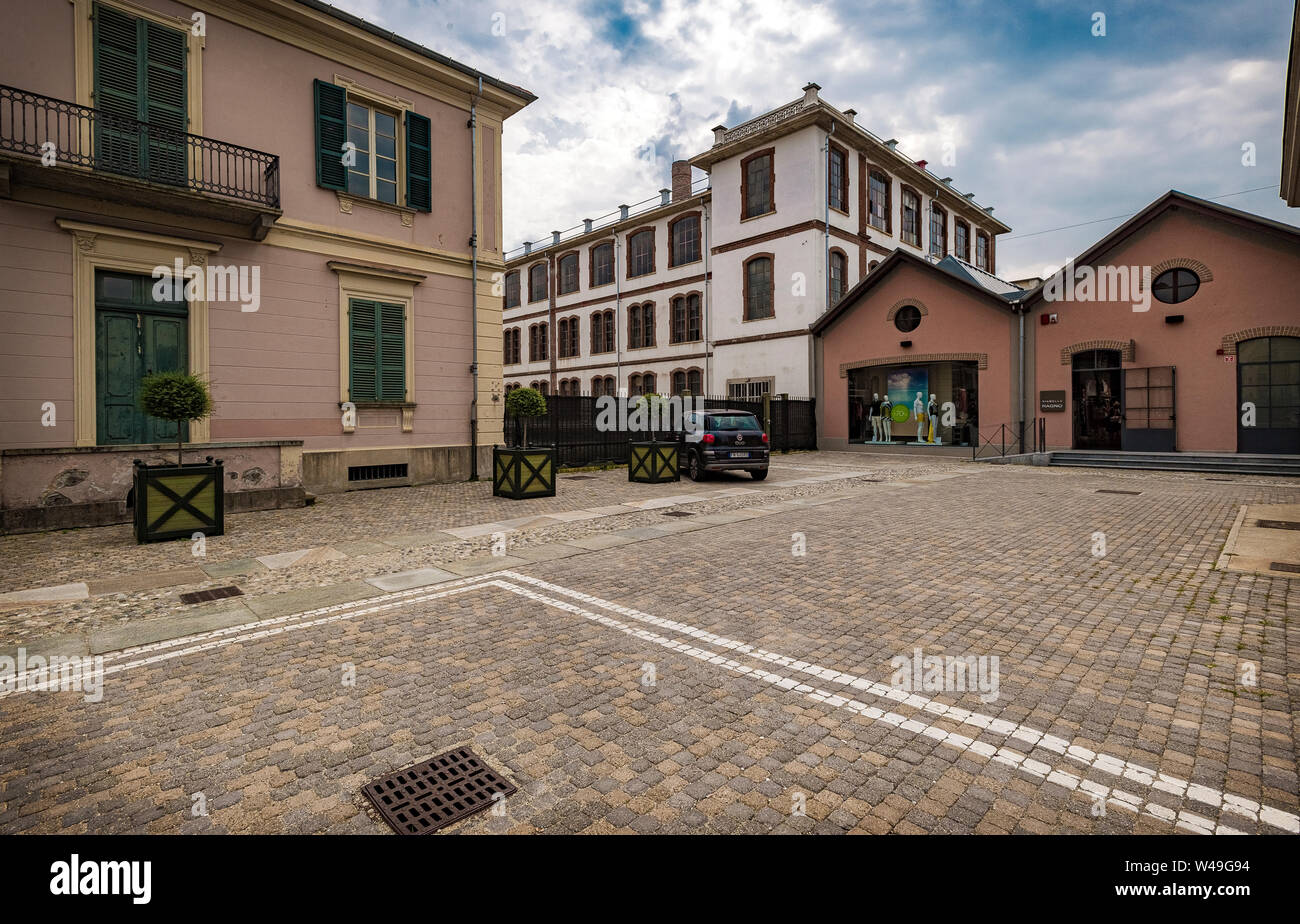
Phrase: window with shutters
{"type": "Point", "coordinates": [377, 351]}
{"type": "Point", "coordinates": [372, 146]}
{"type": "Point", "coordinates": [140, 76]}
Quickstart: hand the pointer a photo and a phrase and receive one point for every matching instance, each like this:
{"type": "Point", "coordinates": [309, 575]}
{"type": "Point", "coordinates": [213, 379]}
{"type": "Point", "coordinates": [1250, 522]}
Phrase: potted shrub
{"type": "Point", "coordinates": [176, 501]}
{"type": "Point", "coordinates": [652, 461]}
{"type": "Point", "coordinates": [524, 471]}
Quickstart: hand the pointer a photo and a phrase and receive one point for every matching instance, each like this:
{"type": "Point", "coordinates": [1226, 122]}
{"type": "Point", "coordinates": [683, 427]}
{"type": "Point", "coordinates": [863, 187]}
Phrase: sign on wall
{"type": "Point", "coordinates": [1049, 401]}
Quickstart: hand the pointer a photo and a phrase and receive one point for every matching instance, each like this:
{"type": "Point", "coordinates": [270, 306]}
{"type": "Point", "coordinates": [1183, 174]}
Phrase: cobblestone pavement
{"type": "Point", "coordinates": [362, 534]}
{"type": "Point", "coordinates": [1122, 704]}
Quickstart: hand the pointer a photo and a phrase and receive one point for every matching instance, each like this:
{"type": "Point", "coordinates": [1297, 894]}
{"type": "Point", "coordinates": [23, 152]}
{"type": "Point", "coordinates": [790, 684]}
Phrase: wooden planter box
{"type": "Point", "coordinates": [175, 502]}
{"type": "Point", "coordinates": [653, 462]}
{"type": "Point", "coordinates": [523, 473]}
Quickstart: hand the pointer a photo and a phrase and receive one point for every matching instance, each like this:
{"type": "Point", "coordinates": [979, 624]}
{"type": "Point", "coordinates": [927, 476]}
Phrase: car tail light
{"type": "Point", "coordinates": [764, 437]}
{"type": "Point", "coordinates": [709, 437]}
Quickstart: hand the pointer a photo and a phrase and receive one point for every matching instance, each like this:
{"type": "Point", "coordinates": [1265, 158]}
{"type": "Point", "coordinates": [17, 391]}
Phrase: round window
{"type": "Point", "coordinates": [908, 318]}
{"type": "Point", "coordinates": [1175, 285]}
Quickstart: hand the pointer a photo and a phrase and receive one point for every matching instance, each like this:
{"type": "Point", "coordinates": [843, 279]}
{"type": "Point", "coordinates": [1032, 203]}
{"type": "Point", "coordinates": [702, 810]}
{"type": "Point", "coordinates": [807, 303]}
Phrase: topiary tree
{"type": "Point", "coordinates": [175, 396]}
{"type": "Point", "coordinates": [525, 403]}
{"type": "Point", "coordinates": [653, 404]}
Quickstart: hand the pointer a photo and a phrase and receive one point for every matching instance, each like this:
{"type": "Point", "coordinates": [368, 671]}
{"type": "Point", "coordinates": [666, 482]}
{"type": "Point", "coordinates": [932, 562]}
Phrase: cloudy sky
{"type": "Point", "coordinates": [1052, 125]}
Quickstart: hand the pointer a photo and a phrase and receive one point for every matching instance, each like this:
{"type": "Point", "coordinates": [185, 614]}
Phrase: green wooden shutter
{"type": "Point", "coordinates": [331, 103]}
{"type": "Point", "coordinates": [392, 353]}
{"type": "Point", "coordinates": [117, 91]}
{"type": "Point", "coordinates": [163, 101]}
{"type": "Point", "coordinates": [363, 350]}
{"type": "Point", "coordinates": [419, 162]}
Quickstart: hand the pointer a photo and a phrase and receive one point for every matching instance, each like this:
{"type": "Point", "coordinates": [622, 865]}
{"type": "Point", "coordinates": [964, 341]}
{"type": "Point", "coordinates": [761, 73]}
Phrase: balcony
{"type": "Point", "coordinates": [51, 144]}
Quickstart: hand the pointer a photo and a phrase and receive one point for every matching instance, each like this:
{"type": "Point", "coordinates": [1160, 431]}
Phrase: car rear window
{"type": "Point", "coordinates": [732, 422]}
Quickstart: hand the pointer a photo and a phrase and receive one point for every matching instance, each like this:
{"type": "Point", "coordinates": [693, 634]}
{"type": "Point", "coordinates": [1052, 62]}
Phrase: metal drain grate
{"type": "Point", "coordinates": [436, 793]}
{"type": "Point", "coordinates": [1109, 491]}
{"type": "Point", "coordinates": [678, 513]}
{"type": "Point", "coordinates": [1278, 524]}
{"type": "Point", "coordinates": [216, 593]}
{"type": "Point", "coordinates": [1284, 566]}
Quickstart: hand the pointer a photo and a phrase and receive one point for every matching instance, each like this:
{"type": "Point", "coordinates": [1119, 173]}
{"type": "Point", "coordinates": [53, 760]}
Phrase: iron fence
{"type": "Point", "coordinates": [1011, 439]}
{"type": "Point", "coordinates": [571, 425]}
{"type": "Point", "coordinates": [44, 127]}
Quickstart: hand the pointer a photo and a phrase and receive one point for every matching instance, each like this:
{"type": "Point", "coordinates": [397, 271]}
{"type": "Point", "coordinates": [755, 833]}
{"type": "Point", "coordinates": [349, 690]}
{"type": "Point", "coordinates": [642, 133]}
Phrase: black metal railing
{"type": "Point", "coordinates": [997, 440]}
{"type": "Point", "coordinates": [572, 425]}
{"type": "Point", "coordinates": [62, 133]}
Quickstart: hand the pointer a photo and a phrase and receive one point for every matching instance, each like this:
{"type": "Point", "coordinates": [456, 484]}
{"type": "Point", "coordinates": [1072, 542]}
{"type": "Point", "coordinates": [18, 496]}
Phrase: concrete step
{"type": "Point", "coordinates": [1227, 462]}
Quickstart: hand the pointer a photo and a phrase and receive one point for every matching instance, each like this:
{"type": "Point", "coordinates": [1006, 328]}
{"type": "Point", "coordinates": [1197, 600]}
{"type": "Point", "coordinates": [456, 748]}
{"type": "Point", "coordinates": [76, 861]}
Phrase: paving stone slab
{"type": "Point", "coordinates": [227, 569]}
{"type": "Point", "coordinates": [300, 557]}
{"type": "Point", "coordinates": [51, 645]}
{"type": "Point", "coordinates": [354, 548]}
{"type": "Point", "coordinates": [417, 540]}
{"type": "Point", "coordinates": [57, 593]}
{"type": "Point", "coordinates": [133, 583]}
{"type": "Point", "coordinates": [549, 551]}
{"type": "Point", "coordinates": [404, 580]}
{"type": "Point", "coordinates": [310, 598]}
{"type": "Point", "coordinates": [642, 532]}
{"type": "Point", "coordinates": [147, 631]}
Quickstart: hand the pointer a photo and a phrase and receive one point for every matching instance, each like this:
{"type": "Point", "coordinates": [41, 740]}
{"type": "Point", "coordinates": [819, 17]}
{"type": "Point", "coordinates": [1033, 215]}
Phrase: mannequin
{"type": "Point", "coordinates": [918, 411]}
{"type": "Point", "coordinates": [933, 411]}
{"type": "Point", "coordinates": [886, 421]}
{"type": "Point", "coordinates": [875, 418]}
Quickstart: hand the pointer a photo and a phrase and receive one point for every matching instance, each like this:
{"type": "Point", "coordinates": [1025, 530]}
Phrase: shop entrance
{"type": "Point", "coordinates": [1098, 410]}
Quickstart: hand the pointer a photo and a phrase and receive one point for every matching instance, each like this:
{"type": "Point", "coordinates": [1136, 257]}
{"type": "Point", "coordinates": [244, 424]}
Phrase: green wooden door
{"type": "Point", "coordinates": [134, 335]}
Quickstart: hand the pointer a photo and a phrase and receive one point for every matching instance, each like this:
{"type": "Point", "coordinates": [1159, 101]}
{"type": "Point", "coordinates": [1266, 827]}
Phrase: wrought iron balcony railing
{"type": "Point", "coordinates": [63, 133]}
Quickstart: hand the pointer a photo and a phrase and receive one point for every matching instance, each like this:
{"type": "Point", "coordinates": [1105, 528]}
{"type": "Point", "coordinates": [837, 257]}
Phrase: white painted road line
{"type": "Point", "coordinates": [1112, 766]}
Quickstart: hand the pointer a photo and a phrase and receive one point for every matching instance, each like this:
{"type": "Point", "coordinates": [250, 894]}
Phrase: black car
{"type": "Point", "coordinates": [724, 440]}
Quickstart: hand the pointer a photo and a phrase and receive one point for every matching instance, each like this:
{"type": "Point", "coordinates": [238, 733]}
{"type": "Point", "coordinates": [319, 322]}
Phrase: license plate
{"type": "Point", "coordinates": [740, 455]}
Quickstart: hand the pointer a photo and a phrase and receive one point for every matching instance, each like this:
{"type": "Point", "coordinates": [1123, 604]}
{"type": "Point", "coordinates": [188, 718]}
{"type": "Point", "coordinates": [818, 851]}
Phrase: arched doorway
{"type": "Point", "coordinates": [1268, 376]}
{"type": "Point", "coordinates": [1097, 388]}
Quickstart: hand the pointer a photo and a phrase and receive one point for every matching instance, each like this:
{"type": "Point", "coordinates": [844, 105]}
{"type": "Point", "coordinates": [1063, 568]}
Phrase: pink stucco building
{"type": "Point", "coordinates": [1178, 331]}
{"type": "Point", "coordinates": [333, 189]}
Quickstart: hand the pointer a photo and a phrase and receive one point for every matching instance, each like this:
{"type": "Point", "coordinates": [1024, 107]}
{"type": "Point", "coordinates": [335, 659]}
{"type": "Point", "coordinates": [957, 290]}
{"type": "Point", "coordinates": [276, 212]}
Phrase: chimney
{"type": "Point", "coordinates": [719, 134]}
{"type": "Point", "coordinates": [622, 212]}
{"type": "Point", "coordinates": [528, 247]}
{"type": "Point", "coordinates": [586, 225]}
{"type": "Point", "coordinates": [892, 144]}
{"type": "Point", "coordinates": [970, 195]}
{"type": "Point", "coordinates": [665, 196]}
{"type": "Point", "coordinates": [851, 115]}
{"type": "Point", "coordinates": [946, 181]}
{"type": "Point", "coordinates": [989, 209]}
{"type": "Point", "coordinates": [555, 237]}
{"type": "Point", "coordinates": [681, 180]}
{"type": "Point", "coordinates": [921, 163]}
{"type": "Point", "coordinates": [810, 94]}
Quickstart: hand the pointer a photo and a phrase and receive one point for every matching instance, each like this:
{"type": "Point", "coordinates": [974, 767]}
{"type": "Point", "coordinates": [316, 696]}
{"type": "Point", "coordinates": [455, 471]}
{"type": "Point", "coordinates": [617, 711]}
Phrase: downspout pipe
{"type": "Point", "coordinates": [473, 259]}
{"type": "Point", "coordinates": [1020, 310]}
